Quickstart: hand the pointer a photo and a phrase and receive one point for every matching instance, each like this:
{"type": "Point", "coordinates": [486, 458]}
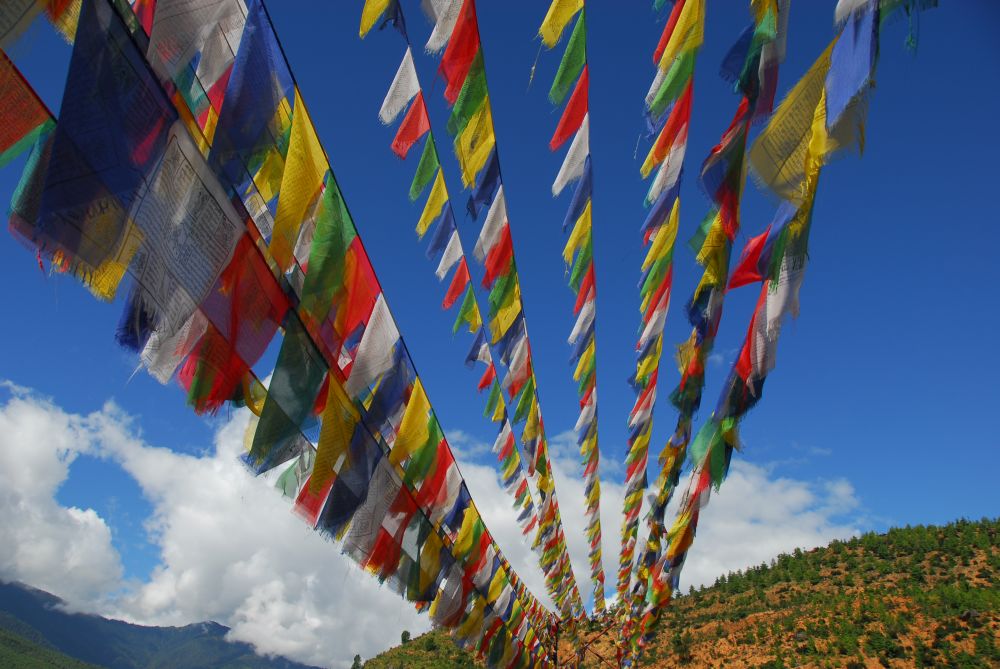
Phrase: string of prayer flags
{"type": "Point", "coordinates": [668, 107]}
{"type": "Point", "coordinates": [405, 90]}
{"type": "Point", "coordinates": [210, 292]}
{"type": "Point", "coordinates": [831, 99]}
{"type": "Point", "coordinates": [462, 66]}
{"type": "Point", "coordinates": [579, 253]}
{"type": "Point", "coordinates": [722, 178]}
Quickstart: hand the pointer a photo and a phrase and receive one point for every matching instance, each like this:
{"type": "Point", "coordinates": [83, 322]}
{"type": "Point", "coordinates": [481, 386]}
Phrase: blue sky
{"type": "Point", "coordinates": [888, 380]}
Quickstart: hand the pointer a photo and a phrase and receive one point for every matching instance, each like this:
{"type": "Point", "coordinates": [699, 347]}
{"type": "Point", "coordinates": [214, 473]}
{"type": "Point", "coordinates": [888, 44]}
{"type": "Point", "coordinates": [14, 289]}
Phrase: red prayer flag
{"type": "Point", "coordinates": [586, 289]}
{"type": "Point", "coordinates": [498, 260]}
{"type": "Point", "coordinates": [488, 377]}
{"type": "Point", "coordinates": [668, 30]}
{"type": "Point", "coordinates": [746, 271]}
{"type": "Point", "coordinates": [414, 126]}
{"type": "Point", "coordinates": [308, 504]}
{"type": "Point", "coordinates": [574, 112]}
{"type": "Point", "coordinates": [744, 365]}
{"type": "Point", "coordinates": [362, 290]}
{"type": "Point", "coordinates": [679, 117]}
{"type": "Point", "coordinates": [458, 283]}
{"type": "Point", "coordinates": [462, 49]}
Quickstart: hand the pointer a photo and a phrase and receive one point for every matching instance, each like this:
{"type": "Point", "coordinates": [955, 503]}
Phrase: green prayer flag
{"type": "Point", "coordinates": [291, 395]}
{"type": "Point", "coordinates": [573, 60]}
{"type": "Point", "coordinates": [673, 83]}
{"type": "Point", "coordinates": [422, 459]}
{"type": "Point", "coordinates": [500, 292]}
{"type": "Point", "coordinates": [492, 400]}
{"type": "Point", "coordinates": [331, 239]}
{"type": "Point", "coordinates": [426, 168]}
{"type": "Point", "coordinates": [524, 402]}
{"type": "Point", "coordinates": [470, 98]}
{"type": "Point", "coordinates": [582, 263]}
{"type": "Point", "coordinates": [466, 314]}
{"type": "Point", "coordinates": [698, 239]}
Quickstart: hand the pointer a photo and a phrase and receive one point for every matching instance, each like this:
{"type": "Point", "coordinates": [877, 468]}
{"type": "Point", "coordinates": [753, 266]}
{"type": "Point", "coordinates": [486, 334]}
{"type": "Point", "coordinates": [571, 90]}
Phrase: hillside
{"type": "Point", "coordinates": [36, 631]}
{"type": "Point", "coordinates": [914, 597]}
{"type": "Point", "coordinates": [25, 652]}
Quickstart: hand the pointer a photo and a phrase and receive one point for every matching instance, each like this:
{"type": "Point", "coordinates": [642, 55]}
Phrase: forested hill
{"type": "Point", "coordinates": [913, 597]}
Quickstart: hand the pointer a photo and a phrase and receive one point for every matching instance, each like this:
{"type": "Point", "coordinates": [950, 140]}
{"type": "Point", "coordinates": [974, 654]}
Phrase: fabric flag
{"type": "Point", "coordinates": [574, 162]}
{"type": "Point", "coordinates": [463, 45]}
{"type": "Point", "coordinates": [435, 203]}
{"type": "Point", "coordinates": [452, 254]}
{"type": "Point", "coordinates": [370, 13]}
{"type": "Point", "coordinates": [573, 61]}
{"type": "Point", "coordinates": [574, 113]}
{"type": "Point", "coordinates": [560, 13]}
{"type": "Point", "coordinates": [444, 13]}
{"type": "Point", "coordinates": [374, 356]}
{"type": "Point", "coordinates": [112, 132]}
{"type": "Point", "coordinates": [494, 225]}
{"type": "Point", "coordinates": [427, 168]}
{"type": "Point", "coordinates": [459, 282]}
{"type": "Point", "coordinates": [415, 125]}
{"type": "Point", "coordinates": [301, 182]}
{"type": "Point", "coordinates": [405, 86]}
{"type": "Point", "coordinates": [475, 144]}
{"type": "Point", "coordinates": [25, 117]}
{"type": "Point", "coordinates": [778, 156]}
{"type": "Point", "coordinates": [15, 17]}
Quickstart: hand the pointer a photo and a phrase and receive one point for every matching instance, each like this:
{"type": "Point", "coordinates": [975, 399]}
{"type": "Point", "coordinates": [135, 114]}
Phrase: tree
{"type": "Point", "coordinates": [405, 637]}
{"type": "Point", "coordinates": [357, 662]}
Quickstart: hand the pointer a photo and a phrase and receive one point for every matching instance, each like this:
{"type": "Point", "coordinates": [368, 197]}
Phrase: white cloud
{"type": "Point", "coordinates": [754, 517]}
{"type": "Point", "coordinates": [61, 549]}
{"type": "Point", "coordinates": [231, 551]}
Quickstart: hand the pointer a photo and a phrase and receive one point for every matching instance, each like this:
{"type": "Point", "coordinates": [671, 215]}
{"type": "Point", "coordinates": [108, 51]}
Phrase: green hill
{"type": "Point", "coordinates": [38, 632]}
{"type": "Point", "coordinates": [913, 597]}
{"type": "Point", "coordinates": [25, 653]}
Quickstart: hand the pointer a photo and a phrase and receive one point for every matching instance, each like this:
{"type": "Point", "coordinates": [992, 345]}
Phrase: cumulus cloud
{"type": "Point", "coordinates": [66, 550]}
{"type": "Point", "coordinates": [231, 551]}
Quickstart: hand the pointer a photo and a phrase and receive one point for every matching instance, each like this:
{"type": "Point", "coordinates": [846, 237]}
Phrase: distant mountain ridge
{"type": "Point", "coordinates": [34, 626]}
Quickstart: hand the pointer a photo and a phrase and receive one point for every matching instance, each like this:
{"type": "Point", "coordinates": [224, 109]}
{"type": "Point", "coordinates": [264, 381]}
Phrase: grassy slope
{"type": "Point", "coordinates": [915, 597]}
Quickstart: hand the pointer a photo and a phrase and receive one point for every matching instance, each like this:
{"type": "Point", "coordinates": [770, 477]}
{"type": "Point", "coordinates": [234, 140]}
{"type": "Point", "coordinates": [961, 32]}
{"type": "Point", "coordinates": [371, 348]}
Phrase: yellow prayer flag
{"type": "Point", "coordinates": [511, 467]}
{"type": "Point", "coordinates": [497, 585]}
{"type": "Point", "coordinates": [466, 535]}
{"type": "Point", "coordinates": [560, 13]}
{"type": "Point", "coordinates": [370, 13]}
{"type": "Point", "coordinates": [500, 411]}
{"type": "Point", "coordinates": [340, 417]}
{"type": "Point", "coordinates": [435, 203]}
{"type": "Point", "coordinates": [530, 431]}
{"type": "Point", "coordinates": [474, 144]}
{"type": "Point", "coordinates": [665, 237]}
{"type": "Point", "coordinates": [581, 231]}
{"type": "Point", "coordinates": [269, 175]}
{"type": "Point", "coordinates": [778, 157]}
{"type": "Point", "coordinates": [506, 314]}
{"type": "Point", "coordinates": [413, 430]}
{"type": "Point", "coordinates": [586, 359]}
{"type": "Point", "coordinates": [103, 280]}
{"type": "Point", "coordinates": [688, 34]}
{"type": "Point", "coordinates": [649, 364]}
{"type": "Point", "coordinates": [473, 621]}
{"type": "Point", "coordinates": [301, 183]}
